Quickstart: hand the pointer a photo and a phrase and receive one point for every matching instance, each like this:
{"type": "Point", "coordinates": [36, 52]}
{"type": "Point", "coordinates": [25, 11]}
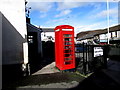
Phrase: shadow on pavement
{"type": "Point", "coordinates": [98, 80]}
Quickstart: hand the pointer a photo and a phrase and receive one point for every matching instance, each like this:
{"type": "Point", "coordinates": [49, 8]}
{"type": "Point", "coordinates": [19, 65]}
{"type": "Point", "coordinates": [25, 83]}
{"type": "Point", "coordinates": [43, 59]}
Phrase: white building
{"type": "Point", "coordinates": [100, 35]}
{"type": "Point", "coordinates": [14, 36]}
{"type": "Point", "coordinates": [48, 34]}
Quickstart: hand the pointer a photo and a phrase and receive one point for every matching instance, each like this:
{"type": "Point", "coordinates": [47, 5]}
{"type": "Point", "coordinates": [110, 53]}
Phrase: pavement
{"type": "Point", "coordinates": [113, 70]}
{"type": "Point", "coordinates": [60, 80]}
{"type": "Point", "coordinates": [49, 69]}
{"type": "Point", "coordinates": [62, 85]}
{"type": "Point", "coordinates": [50, 77]}
{"type": "Point", "coordinates": [105, 78]}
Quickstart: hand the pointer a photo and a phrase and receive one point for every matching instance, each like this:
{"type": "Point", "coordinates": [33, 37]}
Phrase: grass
{"type": "Point", "coordinates": [85, 76]}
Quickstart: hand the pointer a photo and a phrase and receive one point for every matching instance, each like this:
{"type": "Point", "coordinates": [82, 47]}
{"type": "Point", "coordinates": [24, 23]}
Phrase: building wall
{"type": "Point", "coordinates": [14, 42]}
{"type": "Point", "coordinates": [31, 29]}
{"type": "Point", "coordinates": [118, 34]}
{"type": "Point", "coordinates": [34, 48]}
{"type": "Point", "coordinates": [103, 37]}
{"type": "Point", "coordinates": [44, 36]}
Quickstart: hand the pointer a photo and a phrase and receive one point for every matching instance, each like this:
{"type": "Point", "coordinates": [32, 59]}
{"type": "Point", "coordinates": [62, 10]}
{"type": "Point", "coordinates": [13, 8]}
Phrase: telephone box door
{"type": "Point", "coordinates": [68, 50]}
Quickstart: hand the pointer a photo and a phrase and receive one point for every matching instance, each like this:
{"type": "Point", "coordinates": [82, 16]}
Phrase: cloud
{"type": "Point", "coordinates": [40, 6]}
{"type": "Point", "coordinates": [43, 15]}
{"type": "Point", "coordinates": [69, 5]}
{"type": "Point", "coordinates": [72, 0]}
{"type": "Point", "coordinates": [94, 26]}
{"type": "Point", "coordinates": [55, 20]}
{"type": "Point", "coordinates": [58, 20]}
{"type": "Point", "coordinates": [112, 12]}
{"type": "Point", "coordinates": [97, 6]}
{"type": "Point", "coordinates": [63, 13]}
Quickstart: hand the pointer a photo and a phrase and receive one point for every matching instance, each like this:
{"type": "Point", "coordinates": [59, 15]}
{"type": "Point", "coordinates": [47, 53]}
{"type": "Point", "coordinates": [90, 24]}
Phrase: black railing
{"type": "Point", "coordinates": [86, 61]}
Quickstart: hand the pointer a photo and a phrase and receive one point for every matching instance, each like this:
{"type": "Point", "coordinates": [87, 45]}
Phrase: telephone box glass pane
{"type": "Point", "coordinates": [67, 43]}
{"type": "Point", "coordinates": [68, 63]}
{"type": "Point", "coordinates": [68, 59]}
{"type": "Point", "coordinates": [68, 47]}
{"type": "Point", "coordinates": [67, 51]}
{"type": "Point", "coordinates": [67, 39]}
{"type": "Point", "coordinates": [67, 35]}
{"type": "Point", "coordinates": [67, 55]}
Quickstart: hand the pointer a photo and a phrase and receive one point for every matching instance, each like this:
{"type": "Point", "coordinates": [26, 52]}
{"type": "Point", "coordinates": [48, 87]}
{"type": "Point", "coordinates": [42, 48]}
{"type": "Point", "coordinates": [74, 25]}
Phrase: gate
{"type": "Point", "coordinates": [90, 58]}
{"type": "Point", "coordinates": [48, 53]}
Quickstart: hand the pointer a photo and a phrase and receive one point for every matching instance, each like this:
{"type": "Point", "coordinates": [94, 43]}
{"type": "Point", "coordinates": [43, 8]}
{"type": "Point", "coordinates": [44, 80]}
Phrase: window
{"type": "Point", "coordinates": [30, 39]}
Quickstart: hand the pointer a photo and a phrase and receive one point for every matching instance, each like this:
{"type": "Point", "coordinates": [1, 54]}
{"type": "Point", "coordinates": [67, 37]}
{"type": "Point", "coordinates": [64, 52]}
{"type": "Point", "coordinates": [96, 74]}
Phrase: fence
{"type": "Point", "coordinates": [90, 58]}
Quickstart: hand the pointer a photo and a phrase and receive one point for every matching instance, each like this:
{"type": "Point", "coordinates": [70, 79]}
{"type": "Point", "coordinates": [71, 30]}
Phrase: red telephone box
{"type": "Point", "coordinates": [64, 47]}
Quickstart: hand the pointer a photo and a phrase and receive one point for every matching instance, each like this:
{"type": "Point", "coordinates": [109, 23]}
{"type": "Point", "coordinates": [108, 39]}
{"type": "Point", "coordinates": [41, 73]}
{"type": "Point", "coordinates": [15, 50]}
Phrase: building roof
{"type": "Point", "coordinates": [64, 26]}
{"type": "Point", "coordinates": [34, 27]}
{"type": "Point", "coordinates": [48, 29]}
{"type": "Point", "coordinates": [91, 34]}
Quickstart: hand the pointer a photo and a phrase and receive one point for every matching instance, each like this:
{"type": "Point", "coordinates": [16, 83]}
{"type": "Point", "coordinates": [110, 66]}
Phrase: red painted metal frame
{"type": "Point", "coordinates": [61, 63]}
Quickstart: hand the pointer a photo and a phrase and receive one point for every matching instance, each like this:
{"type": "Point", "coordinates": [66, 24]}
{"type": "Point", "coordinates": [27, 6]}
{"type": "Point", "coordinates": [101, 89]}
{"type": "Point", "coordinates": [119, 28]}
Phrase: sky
{"type": "Point", "coordinates": [82, 15]}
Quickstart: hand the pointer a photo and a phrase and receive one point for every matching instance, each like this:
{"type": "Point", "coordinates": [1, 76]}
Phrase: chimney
{"type": "Point", "coordinates": [28, 20]}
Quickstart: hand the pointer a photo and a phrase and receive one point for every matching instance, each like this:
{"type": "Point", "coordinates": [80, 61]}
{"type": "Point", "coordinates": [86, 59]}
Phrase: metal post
{"type": "Point", "coordinates": [84, 65]}
{"type": "Point", "coordinates": [105, 54]}
{"type": "Point", "coordinates": [86, 62]}
{"type": "Point", "coordinates": [108, 19]}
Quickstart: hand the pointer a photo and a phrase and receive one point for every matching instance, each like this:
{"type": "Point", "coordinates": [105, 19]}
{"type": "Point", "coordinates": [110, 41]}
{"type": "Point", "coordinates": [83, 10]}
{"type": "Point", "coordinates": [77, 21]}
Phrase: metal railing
{"type": "Point", "coordinates": [86, 61]}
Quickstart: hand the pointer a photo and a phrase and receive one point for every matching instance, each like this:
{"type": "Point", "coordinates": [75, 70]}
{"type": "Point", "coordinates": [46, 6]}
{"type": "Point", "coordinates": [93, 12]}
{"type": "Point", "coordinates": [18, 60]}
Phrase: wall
{"type": "Point", "coordinates": [0, 50]}
{"type": "Point", "coordinates": [13, 32]}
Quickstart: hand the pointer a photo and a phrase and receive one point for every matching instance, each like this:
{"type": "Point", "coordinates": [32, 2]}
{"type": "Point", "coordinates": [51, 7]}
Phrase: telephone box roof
{"type": "Point", "coordinates": [64, 26]}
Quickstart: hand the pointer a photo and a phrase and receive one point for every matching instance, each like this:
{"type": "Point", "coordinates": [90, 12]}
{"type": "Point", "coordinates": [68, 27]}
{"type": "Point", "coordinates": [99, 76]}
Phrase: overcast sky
{"type": "Point", "coordinates": [83, 16]}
